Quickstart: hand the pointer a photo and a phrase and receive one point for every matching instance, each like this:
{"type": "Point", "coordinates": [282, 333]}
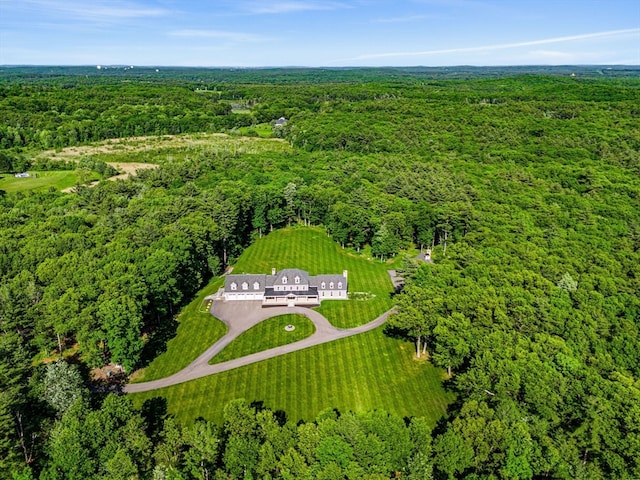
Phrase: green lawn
{"type": "Point", "coordinates": [262, 130]}
{"type": "Point", "coordinates": [312, 250]}
{"type": "Point", "coordinates": [268, 334]}
{"type": "Point", "coordinates": [38, 181]}
{"type": "Point", "coordinates": [197, 330]}
{"type": "Point", "coordinates": [306, 248]}
{"type": "Point", "coordinates": [359, 373]}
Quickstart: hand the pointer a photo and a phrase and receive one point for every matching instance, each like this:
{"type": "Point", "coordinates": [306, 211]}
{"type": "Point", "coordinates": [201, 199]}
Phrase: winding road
{"type": "Point", "coordinates": [239, 316]}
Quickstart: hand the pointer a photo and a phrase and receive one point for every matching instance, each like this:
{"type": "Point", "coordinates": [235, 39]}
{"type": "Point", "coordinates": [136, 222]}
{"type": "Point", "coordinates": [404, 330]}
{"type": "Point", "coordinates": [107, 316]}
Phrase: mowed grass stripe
{"type": "Point", "coordinates": [268, 334]}
{"type": "Point", "coordinates": [196, 331]}
{"type": "Point", "coordinates": [312, 250]}
{"type": "Point", "coordinates": [364, 372]}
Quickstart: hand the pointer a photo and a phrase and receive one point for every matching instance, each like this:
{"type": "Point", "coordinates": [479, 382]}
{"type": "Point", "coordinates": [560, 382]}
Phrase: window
{"type": "Point", "coordinates": [339, 285]}
{"type": "Point", "coordinates": [323, 285]}
{"type": "Point", "coordinates": [330, 285]}
{"type": "Point", "coordinates": [284, 280]}
{"type": "Point", "coordinates": [234, 286]}
{"type": "Point", "coordinates": [256, 286]}
{"type": "Point", "coordinates": [297, 279]}
{"type": "Point", "coordinates": [245, 285]}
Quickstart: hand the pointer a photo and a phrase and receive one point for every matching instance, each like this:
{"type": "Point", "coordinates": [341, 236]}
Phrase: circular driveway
{"type": "Point", "coordinates": [240, 316]}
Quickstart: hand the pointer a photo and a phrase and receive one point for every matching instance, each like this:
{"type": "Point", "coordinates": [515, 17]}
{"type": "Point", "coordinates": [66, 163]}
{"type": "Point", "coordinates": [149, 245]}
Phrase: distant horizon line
{"type": "Point", "coordinates": [238, 67]}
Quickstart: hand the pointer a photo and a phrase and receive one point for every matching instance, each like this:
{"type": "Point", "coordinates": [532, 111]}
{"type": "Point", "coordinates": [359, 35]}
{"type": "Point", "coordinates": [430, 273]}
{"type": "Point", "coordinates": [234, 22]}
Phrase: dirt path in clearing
{"type": "Point", "coordinates": [127, 170]}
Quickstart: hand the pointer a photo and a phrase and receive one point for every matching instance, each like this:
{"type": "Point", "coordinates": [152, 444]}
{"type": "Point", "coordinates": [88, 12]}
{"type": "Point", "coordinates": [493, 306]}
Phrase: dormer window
{"type": "Point", "coordinates": [245, 285]}
{"type": "Point", "coordinates": [284, 280]}
{"type": "Point", "coordinates": [234, 286]}
{"type": "Point", "coordinates": [331, 286]}
{"type": "Point", "coordinates": [256, 286]}
{"type": "Point", "coordinates": [323, 285]}
{"type": "Point", "coordinates": [339, 285]}
{"type": "Point", "coordinates": [297, 279]}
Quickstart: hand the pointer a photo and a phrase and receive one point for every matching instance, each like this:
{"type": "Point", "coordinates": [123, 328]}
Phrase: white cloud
{"type": "Point", "coordinates": [291, 6]}
{"type": "Point", "coordinates": [453, 3]}
{"type": "Point", "coordinates": [408, 18]}
{"type": "Point", "coordinates": [225, 35]}
{"type": "Point", "coordinates": [489, 48]}
{"type": "Point", "coordinates": [97, 9]}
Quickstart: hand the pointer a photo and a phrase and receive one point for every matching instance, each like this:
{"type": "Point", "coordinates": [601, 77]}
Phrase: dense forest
{"type": "Point", "coordinates": [526, 186]}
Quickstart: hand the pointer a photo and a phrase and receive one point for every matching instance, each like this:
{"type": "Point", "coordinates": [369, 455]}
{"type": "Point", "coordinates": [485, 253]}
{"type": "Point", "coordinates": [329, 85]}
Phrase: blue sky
{"type": "Point", "coordinates": [249, 33]}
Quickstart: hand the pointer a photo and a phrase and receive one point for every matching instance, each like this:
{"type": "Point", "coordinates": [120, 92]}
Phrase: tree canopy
{"type": "Point", "coordinates": [525, 187]}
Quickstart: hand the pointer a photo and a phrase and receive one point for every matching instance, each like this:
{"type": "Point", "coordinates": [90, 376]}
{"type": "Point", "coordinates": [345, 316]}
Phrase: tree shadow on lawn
{"type": "Point", "coordinates": [395, 333]}
{"type": "Point", "coordinates": [280, 415]}
{"type": "Point", "coordinates": [158, 339]}
{"type": "Point", "coordinates": [154, 411]}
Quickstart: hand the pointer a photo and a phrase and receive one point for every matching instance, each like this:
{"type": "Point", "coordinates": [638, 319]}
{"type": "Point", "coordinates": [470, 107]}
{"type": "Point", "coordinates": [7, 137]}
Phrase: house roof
{"type": "Point", "coordinates": [327, 279]}
{"type": "Point", "coordinates": [249, 278]}
{"type": "Point", "coordinates": [291, 274]}
{"type": "Point", "coordinates": [269, 281]}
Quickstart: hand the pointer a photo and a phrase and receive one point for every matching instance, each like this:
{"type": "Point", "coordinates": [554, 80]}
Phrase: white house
{"type": "Point", "coordinates": [290, 286]}
{"type": "Point", "coordinates": [281, 122]}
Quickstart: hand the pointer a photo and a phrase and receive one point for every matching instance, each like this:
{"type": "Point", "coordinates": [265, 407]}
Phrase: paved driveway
{"type": "Point", "coordinates": [239, 316]}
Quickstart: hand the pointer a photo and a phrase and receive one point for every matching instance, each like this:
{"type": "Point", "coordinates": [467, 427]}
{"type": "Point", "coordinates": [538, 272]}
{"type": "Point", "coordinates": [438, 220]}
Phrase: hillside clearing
{"type": "Point", "coordinates": [365, 372]}
{"type": "Point", "coordinates": [153, 143]}
{"type": "Point", "coordinates": [59, 180]}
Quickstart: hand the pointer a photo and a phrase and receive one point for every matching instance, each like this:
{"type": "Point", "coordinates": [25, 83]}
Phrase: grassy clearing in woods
{"type": "Point", "coordinates": [360, 373]}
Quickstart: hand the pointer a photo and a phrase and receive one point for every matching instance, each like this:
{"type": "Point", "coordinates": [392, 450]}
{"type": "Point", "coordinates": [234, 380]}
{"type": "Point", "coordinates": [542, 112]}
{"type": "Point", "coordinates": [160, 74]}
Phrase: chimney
{"type": "Point", "coordinates": [273, 271]}
{"type": "Point", "coordinates": [344, 273]}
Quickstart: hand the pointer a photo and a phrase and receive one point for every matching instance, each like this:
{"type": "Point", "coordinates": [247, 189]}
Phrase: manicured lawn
{"type": "Point", "coordinates": [359, 373]}
{"type": "Point", "coordinates": [312, 250]}
{"type": "Point", "coordinates": [197, 330]}
{"type": "Point", "coordinates": [38, 181]}
{"type": "Point", "coordinates": [306, 248]}
{"type": "Point", "coordinates": [268, 334]}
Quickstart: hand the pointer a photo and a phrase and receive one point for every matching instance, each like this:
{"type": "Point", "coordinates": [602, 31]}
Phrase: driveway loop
{"type": "Point", "coordinates": [240, 316]}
